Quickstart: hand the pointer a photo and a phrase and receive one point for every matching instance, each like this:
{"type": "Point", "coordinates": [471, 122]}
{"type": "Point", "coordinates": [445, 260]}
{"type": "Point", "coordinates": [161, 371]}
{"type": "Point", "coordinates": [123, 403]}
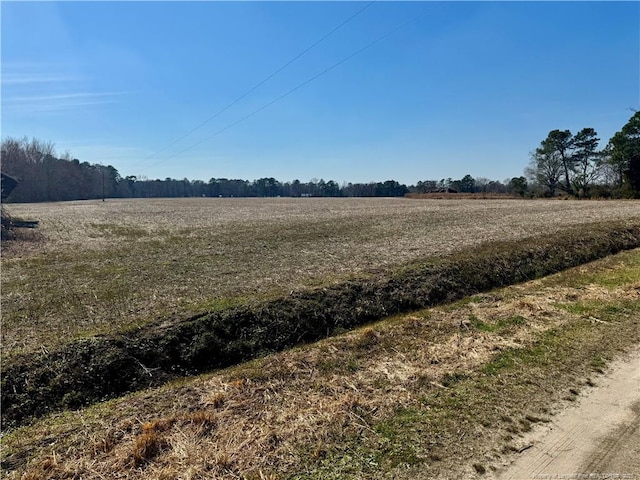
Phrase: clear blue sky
{"type": "Point", "coordinates": [466, 88]}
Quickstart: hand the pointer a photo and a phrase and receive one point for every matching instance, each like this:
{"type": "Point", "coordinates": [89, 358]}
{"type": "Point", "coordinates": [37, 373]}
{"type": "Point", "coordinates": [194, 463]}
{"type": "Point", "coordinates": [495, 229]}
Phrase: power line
{"type": "Point", "coordinates": [294, 89]}
{"type": "Point", "coordinates": [258, 85]}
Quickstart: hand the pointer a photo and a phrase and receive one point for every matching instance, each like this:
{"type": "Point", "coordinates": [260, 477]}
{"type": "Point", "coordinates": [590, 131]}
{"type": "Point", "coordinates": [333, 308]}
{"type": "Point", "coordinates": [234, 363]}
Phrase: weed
{"type": "Point", "coordinates": [423, 382]}
{"type": "Point", "coordinates": [146, 446]}
{"type": "Point", "coordinates": [452, 378]}
{"type": "Point", "coordinates": [203, 421]}
{"type": "Point", "coordinates": [224, 462]}
{"type": "Point", "coordinates": [217, 400]}
{"type": "Point", "coordinates": [367, 339]}
{"type": "Point", "coordinates": [598, 363]}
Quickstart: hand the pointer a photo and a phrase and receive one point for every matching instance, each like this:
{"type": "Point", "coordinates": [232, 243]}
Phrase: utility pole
{"type": "Point", "coordinates": [102, 169]}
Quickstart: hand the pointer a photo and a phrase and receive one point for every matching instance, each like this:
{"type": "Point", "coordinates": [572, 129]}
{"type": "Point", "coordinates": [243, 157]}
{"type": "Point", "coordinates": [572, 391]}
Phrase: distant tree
{"type": "Point", "coordinates": [481, 184]}
{"type": "Point", "coordinates": [623, 147]}
{"type": "Point", "coordinates": [348, 190]}
{"type": "Point", "coordinates": [332, 189]}
{"type": "Point", "coordinates": [127, 187]}
{"type": "Point", "coordinates": [610, 176]}
{"type": "Point", "coordinates": [632, 174]}
{"type": "Point", "coordinates": [545, 168]}
{"type": "Point", "coordinates": [518, 186]}
{"type": "Point", "coordinates": [320, 188]}
{"type": "Point", "coordinates": [390, 188]}
{"type": "Point", "coordinates": [425, 186]}
{"type": "Point", "coordinates": [214, 188]}
{"type": "Point", "coordinates": [467, 184]}
{"type": "Point", "coordinates": [586, 160]}
{"type": "Point", "coordinates": [560, 144]}
{"type": "Point", "coordinates": [31, 162]}
{"type": "Point", "coordinates": [495, 186]}
{"type": "Point", "coordinates": [12, 156]}
{"type": "Point", "coordinates": [296, 188]}
{"type": "Point", "coordinates": [360, 190]}
{"type": "Point", "coordinates": [198, 188]}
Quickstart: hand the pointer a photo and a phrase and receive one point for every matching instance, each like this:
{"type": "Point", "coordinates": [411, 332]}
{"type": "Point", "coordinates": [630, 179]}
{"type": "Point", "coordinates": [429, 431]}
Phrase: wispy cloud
{"type": "Point", "coordinates": [56, 102]}
{"type": "Point", "coordinates": [20, 79]}
{"type": "Point", "coordinates": [97, 97]}
{"type": "Point", "coordinates": [45, 88]}
{"type": "Point", "coordinates": [38, 74]}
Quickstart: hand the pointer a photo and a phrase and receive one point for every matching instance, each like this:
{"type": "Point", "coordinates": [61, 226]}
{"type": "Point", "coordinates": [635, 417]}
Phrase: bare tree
{"type": "Point", "coordinates": [545, 168]}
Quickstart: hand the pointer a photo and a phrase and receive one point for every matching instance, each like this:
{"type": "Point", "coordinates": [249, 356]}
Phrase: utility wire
{"type": "Point", "coordinates": [262, 82]}
{"type": "Point", "coordinates": [294, 89]}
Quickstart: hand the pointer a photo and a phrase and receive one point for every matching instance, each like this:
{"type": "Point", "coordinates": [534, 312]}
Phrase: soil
{"type": "Point", "coordinates": [597, 438]}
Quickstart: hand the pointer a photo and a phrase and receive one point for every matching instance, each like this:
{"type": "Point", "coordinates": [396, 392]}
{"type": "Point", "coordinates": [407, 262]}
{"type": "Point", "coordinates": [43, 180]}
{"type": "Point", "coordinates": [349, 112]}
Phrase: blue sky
{"type": "Point", "coordinates": [464, 88]}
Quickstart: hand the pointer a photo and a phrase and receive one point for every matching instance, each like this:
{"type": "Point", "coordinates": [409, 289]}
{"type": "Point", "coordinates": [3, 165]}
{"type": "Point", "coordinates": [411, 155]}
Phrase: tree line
{"type": "Point", "coordinates": [563, 163]}
{"type": "Point", "coordinates": [43, 177]}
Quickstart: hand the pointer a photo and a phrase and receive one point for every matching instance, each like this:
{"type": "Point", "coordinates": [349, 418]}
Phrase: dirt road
{"type": "Point", "coordinates": [598, 438]}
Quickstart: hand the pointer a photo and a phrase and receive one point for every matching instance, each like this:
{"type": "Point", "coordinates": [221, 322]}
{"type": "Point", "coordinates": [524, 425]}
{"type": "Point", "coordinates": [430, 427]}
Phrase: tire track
{"type": "Point", "coordinates": [594, 439]}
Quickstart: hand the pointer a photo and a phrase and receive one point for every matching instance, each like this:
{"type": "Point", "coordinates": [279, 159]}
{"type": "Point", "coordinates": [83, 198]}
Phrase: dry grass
{"type": "Point", "coordinates": [443, 392]}
{"type": "Point", "coordinates": [106, 267]}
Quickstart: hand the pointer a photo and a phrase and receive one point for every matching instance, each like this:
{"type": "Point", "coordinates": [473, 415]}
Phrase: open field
{"type": "Point", "coordinates": [99, 268]}
{"type": "Point", "coordinates": [448, 392]}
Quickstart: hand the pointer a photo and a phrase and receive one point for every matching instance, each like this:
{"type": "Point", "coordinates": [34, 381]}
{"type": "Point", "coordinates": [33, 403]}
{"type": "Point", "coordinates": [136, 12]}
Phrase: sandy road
{"type": "Point", "coordinates": [598, 438]}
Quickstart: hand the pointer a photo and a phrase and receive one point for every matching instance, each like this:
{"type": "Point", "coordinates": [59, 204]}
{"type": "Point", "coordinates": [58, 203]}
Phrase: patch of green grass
{"type": "Point", "coordinates": [514, 320]}
{"type": "Point", "coordinates": [601, 310]}
{"type": "Point", "coordinates": [574, 308]}
{"type": "Point", "coordinates": [598, 363]}
{"type": "Point", "coordinates": [349, 462]}
{"type": "Point", "coordinates": [220, 304]}
{"type": "Point", "coordinates": [623, 272]}
{"type": "Point", "coordinates": [452, 378]}
{"type": "Point", "coordinates": [498, 364]}
{"type": "Point", "coordinates": [339, 364]}
{"type": "Point", "coordinates": [480, 325]}
{"type": "Point", "coordinates": [355, 459]}
{"type": "Point", "coordinates": [623, 269]}
{"type": "Point", "coordinates": [500, 325]}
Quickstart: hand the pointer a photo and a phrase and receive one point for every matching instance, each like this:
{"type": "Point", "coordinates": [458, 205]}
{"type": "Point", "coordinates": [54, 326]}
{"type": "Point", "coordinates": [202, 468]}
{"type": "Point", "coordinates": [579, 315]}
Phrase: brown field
{"type": "Point", "coordinates": [464, 196]}
{"type": "Point", "coordinates": [95, 267]}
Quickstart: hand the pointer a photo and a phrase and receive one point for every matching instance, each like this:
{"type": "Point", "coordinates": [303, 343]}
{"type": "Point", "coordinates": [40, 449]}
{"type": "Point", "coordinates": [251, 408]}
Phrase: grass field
{"type": "Point", "coordinates": [98, 268]}
{"type": "Point", "coordinates": [442, 393]}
